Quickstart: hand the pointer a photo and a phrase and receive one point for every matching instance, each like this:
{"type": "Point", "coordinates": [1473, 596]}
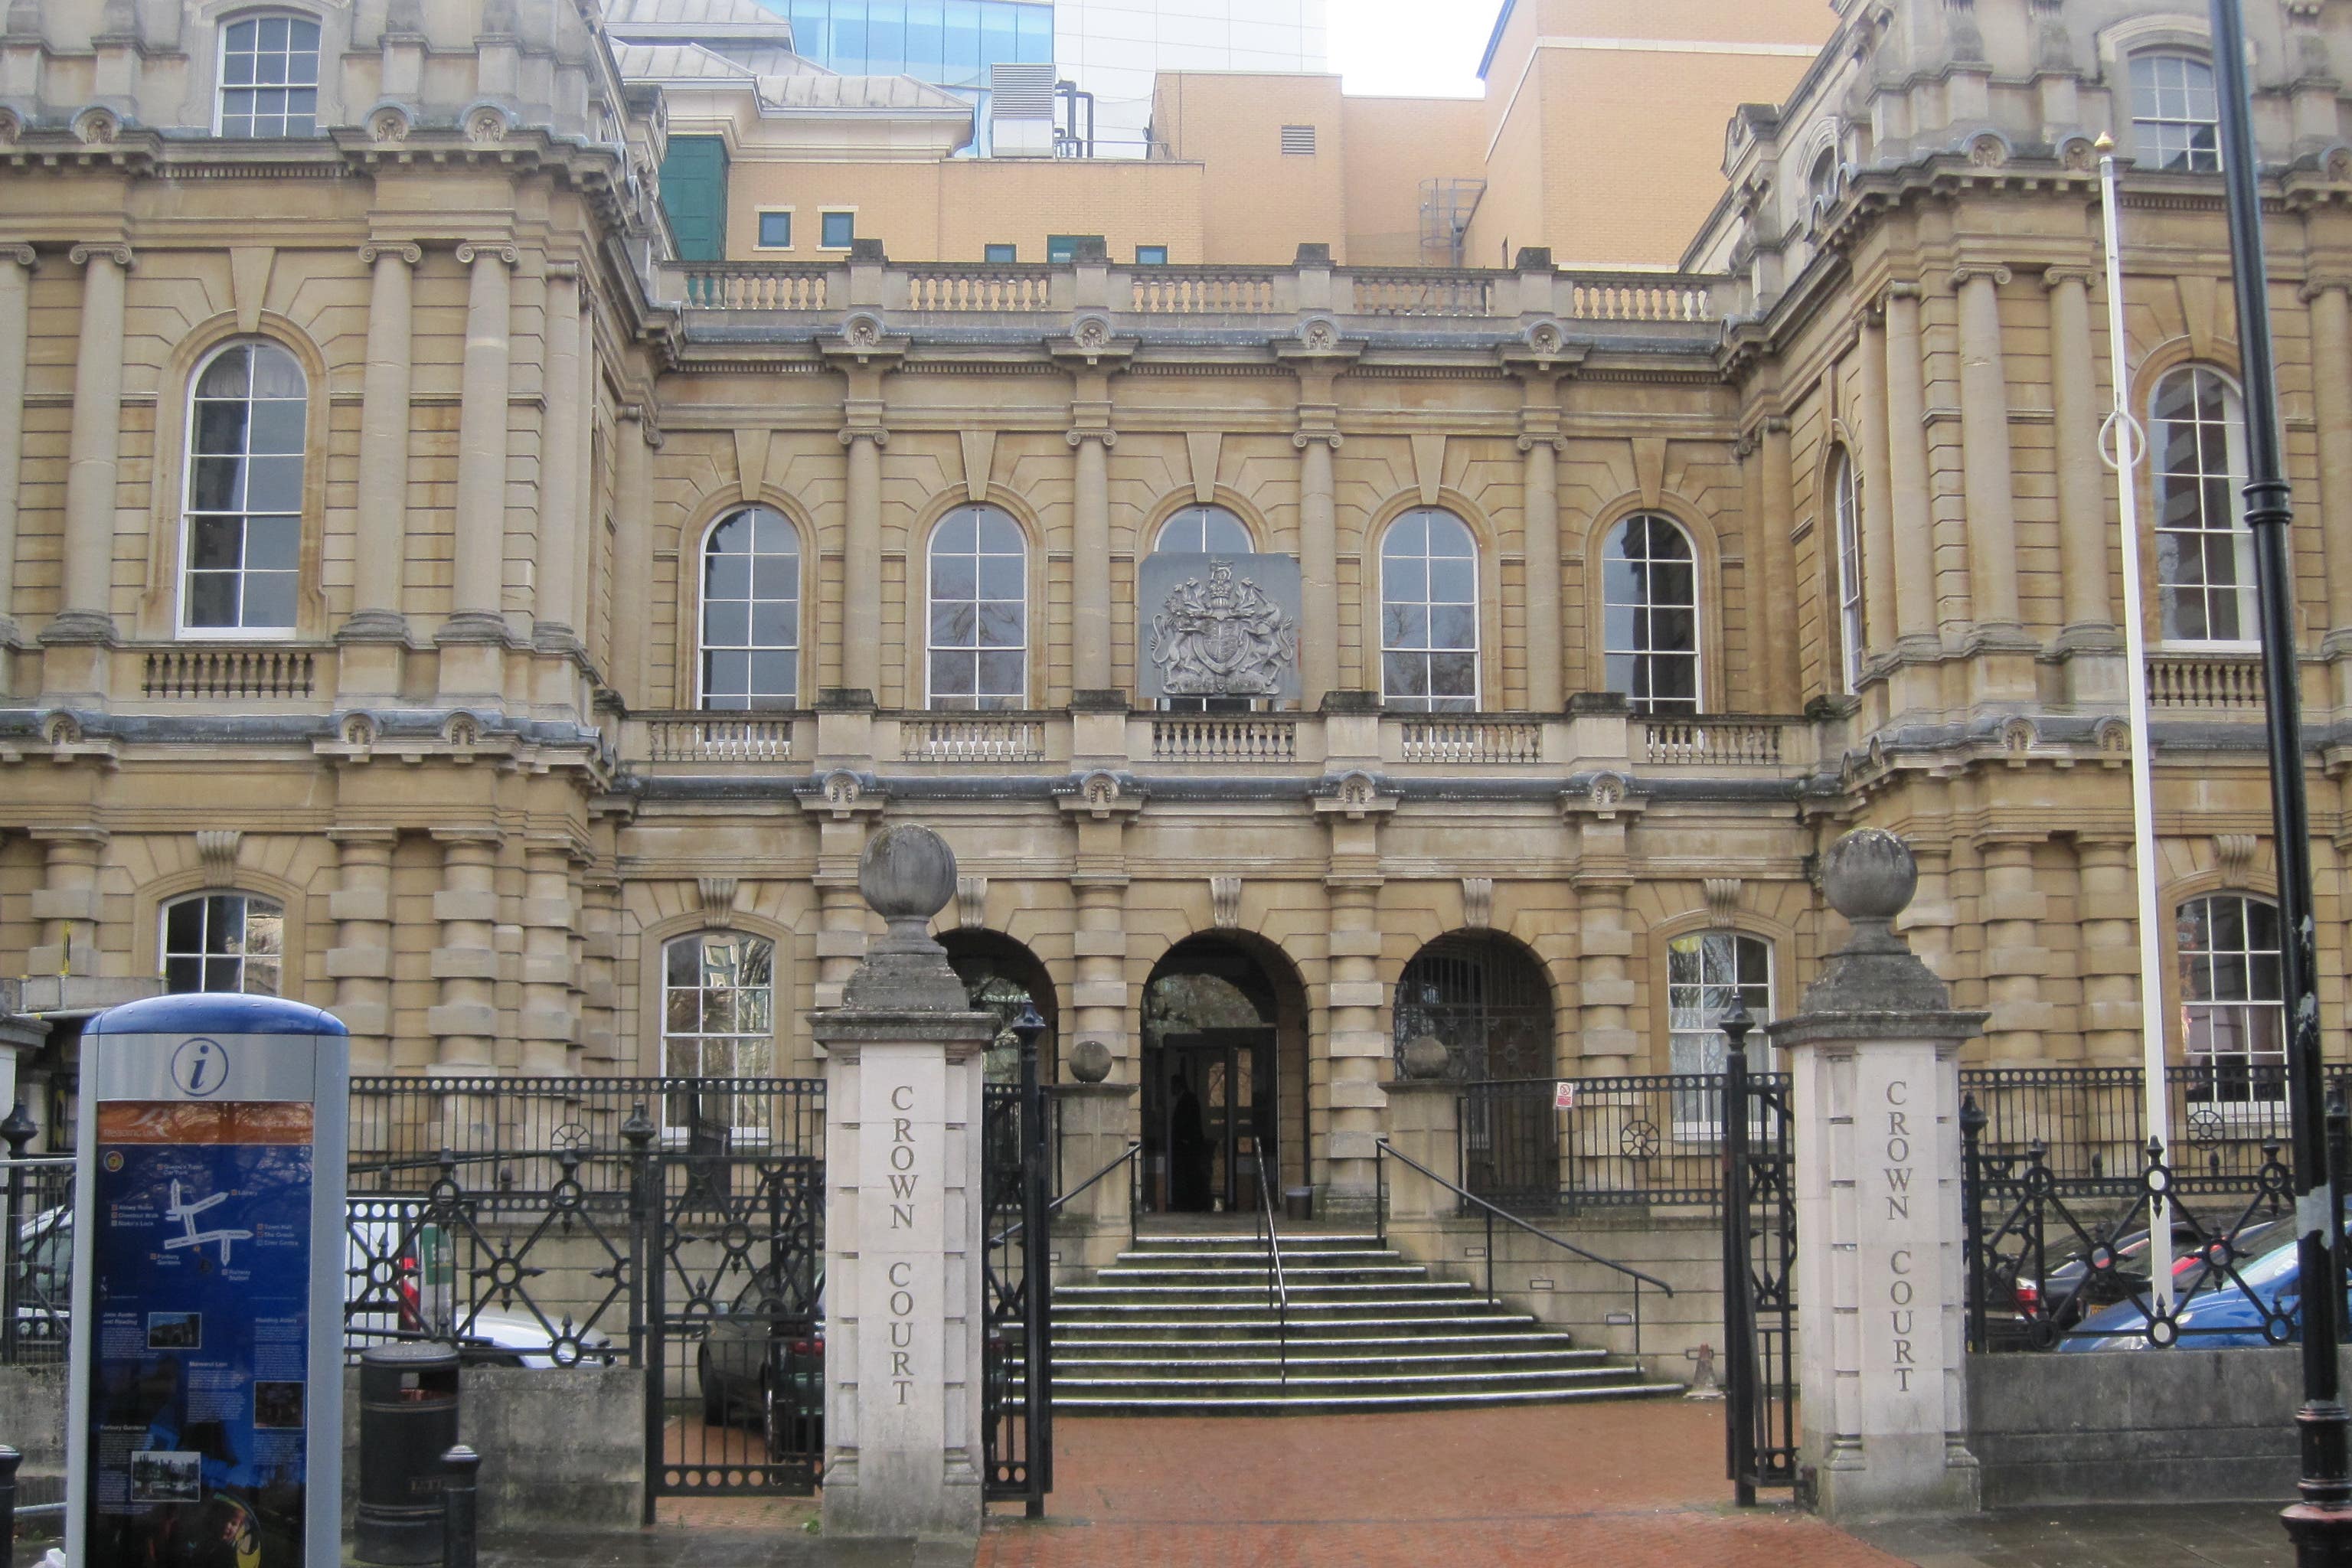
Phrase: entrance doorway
{"type": "Point", "coordinates": [1223, 1078]}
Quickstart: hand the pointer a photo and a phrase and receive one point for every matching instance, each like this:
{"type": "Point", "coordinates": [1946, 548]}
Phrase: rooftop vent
{"type": "Point", "coordinates": [1298, 140]}
{"type": "Point", "coordinates": [1021, 110]}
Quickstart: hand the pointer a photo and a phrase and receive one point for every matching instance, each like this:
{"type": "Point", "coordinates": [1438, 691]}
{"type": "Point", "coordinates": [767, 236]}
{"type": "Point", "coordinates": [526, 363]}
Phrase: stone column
{"type": "Point", "coordinates": [861, 567]}
{"type": "Point", "coordinates": [2110, 921]}
{"type": "Point", "coordinates": [2083, 530]}
{"type": "Point", "coordinates": [1775, 680]}
{"type": "Point", "coordinates": [1097, 1124]}
{"type": "Point", "coordinates": [1318, 567]}
{"type": "Point", "coordinates": [1875, 1122]}
{"type": "Point", "coordinates": [1907, 476]}
{"type": "Point", "coordinates": [1099, 810]}
{"type": "Point", "coordinates": [377, 607]}
{"type": "Point", "coordinates": [66, 901]}
{"type": "Point", "coordinates": [633, 554]}
{"type": "Point", "coordinates": [601, 1049]}
{"type": "Point", "coordinates": [1602, 878]}
{"type": "Point", "coordinates": [16, 263]}
{"type": "Point", "coordinates": [2331, 398]}
{"type": "Point", "coordinates": [1984, 442]}
{"type": "Point", "coordinates": [1360, 1051]}
{"type": "Point", "coordinates": [562, 522]}
{"type": "Point", "coordinates": [93, 447]}
{"type": "Point", "coordinates": [904, 1211]}
{"type": "Point", "coordinates": [361, 960]}
{"type": "Point", "coordinates": [465, 1025]}
{"type": "Point", "coordinates": [1878, 562]}
{"type": "Point", "coordinates": [1540, 510]}
{"type": "Point", "coordinates": [1425, 1123]}
{"type": "Point", "coordinates": [2015, 959]}
{"type": "Point", "coordinates": [474, 636]}
{"type": "Point", "coordinates": [1090, 645]}
{"type": "Point", "coordinates": [547, 1025]}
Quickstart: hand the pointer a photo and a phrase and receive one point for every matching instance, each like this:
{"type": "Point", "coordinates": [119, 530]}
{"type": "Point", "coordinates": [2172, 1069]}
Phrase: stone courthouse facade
{"type": "Point", "coordinates": [427, 597]}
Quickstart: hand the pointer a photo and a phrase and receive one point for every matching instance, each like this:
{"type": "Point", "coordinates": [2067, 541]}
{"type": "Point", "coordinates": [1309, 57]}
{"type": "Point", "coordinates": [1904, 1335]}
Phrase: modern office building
{"type": "Point", "coordinates": [429, 596]}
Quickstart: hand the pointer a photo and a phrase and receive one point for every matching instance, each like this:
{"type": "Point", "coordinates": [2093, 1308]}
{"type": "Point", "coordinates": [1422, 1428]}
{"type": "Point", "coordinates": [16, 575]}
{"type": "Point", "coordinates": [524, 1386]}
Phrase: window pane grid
{"type": "Point", "coordinates": [1203, 531]}
{"type": "Point", "coordinates": [1650, 615]}
{"type": "Point", "coordinates": [2204, 569]}
{"type": "Point", "coordinates": [2232, 997]}
{"type": "Point", "coordinates": [1851, 629]}
{"type": "Point", "coordinates": [979, 611]}
{"type": "Point", "coordinates": [269, 78]}
{"type": "Point", "coordinates": [2175, 114]}
{"type": "Point", "coordinates": [247, 419]}
{"type": "Point", "coordinates": [224, 941]}
{"type": "Point", "coordinates": [750, 612]}
{"type": "Point", "coordinates": [717, 1015]}
{"type": "Point", "coordinates": [1429, 613]}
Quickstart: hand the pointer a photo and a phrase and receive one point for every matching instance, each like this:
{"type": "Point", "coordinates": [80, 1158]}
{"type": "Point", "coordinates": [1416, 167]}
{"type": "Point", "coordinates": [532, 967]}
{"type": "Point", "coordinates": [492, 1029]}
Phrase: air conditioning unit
{"type": "Point", "coordinates": [1021, 110]}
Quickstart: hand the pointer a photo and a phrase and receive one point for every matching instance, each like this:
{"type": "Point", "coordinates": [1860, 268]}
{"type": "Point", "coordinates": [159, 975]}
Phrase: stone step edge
{"type": "Point", "coordinates": [1086, 1404]}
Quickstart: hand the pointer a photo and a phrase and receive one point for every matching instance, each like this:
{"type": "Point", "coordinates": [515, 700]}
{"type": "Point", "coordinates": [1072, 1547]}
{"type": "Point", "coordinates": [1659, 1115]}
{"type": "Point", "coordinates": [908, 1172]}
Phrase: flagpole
{"type": "Point", "coordinates": [2123, 443]}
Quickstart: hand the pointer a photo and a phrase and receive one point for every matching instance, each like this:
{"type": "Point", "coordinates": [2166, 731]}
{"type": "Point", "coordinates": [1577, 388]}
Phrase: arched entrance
{"type": "Point", "coordinates": [1488, 1000]}
{"type": "Point", "coordinates": [1224, 1076]}
{"type": "Point", "coordinates": [1002, 976]}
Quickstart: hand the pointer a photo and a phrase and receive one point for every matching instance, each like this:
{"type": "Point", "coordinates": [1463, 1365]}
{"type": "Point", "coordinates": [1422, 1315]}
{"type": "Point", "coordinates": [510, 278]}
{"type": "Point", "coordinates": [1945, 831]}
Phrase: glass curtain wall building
{"type": "Point", "coordinates": [947, 43]}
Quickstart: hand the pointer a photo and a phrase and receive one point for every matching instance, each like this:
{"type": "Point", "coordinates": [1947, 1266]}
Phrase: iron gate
{"type": "Point", "coordinates": [734, 1299]}
{"type": "Point", "coordinates": [1759, 1260]}
{"type": "Point", "coordinates": [1016, 1355]}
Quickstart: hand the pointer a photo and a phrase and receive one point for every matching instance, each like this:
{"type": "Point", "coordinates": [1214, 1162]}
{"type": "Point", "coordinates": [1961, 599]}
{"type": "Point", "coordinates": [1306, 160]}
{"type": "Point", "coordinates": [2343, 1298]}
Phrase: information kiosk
{"type": "Point", "coordinates": [206, 1422]}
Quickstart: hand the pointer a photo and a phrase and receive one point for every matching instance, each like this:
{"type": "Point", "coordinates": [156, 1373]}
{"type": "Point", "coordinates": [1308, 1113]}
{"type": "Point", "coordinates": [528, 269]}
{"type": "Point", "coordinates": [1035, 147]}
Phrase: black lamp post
{"type": "Point", "coordinates": [1037, 1267]}
{"type": "Point", "coordinates": [2320, 1522]}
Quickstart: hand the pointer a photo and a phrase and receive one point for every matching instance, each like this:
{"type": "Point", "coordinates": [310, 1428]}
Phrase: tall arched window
{"type": "Point", "coordinates": [2175, 116]}
{"type": "Point", "coordinates": [2204, 554]}
{"type": "Point", "coordinates": [1203, 531]}
{"type": "Point", "coordinates": [1705, 973]}
{"type": "Point", "coordinates": [1429, 612]}
{"type": "Point", "coordinates": [269, 77]}
{"type": "Point", "coordinates": [1650, 615]}
{"type": "Point", "coordinates": [2232, 999]}
{"type": "Point", "coordinates": [980, 610]}
{"type": "Point", "coordinates": [719, 1020]}
{"type": "Point", "coordinates": [751, 612]}
{"type": "Point", "coordinates": [1488, 1001]}
{"type": "Point", "coordinates": [242, 551]}
{"type": "Point", "coordinates": [1845, 506]}
{"type": "Point", "coordinates": [224, 941]}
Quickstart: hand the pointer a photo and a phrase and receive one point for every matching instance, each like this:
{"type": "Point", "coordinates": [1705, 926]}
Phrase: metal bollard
{"type": "Point", "coordinates": [461, 1468]}
{"type": "Point", "coordinates": [9, 1459]}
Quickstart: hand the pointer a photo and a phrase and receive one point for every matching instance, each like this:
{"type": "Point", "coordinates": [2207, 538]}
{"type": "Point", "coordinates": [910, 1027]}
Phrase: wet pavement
{"type": "Point", "coordinates": [2115, 1535]}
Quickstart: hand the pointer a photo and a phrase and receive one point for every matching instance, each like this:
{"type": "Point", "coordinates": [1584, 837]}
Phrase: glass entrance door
{"type": "Point", "coordinates": [1209, 1121]}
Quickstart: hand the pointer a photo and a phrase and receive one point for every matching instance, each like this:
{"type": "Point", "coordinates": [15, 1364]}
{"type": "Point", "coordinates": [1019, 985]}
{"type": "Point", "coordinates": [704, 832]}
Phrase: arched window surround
{"type": "Point", "coordinates": [1430, 644]}
{"type": "Point", "coordinates": [1033, 627]}
{"type": "Point", "coordinates": [284, 564]}
{"type": "Point", "coordinates": [1607, 635]}
{"type": "Point", "coordinates": [1716, 694]}
{"type": "Point", "coordinates": [1841, 502]}
{"type": "Point", "coordinates": [1156, 533]}
{"type": "Point", "coordinates": [2226, 994]}
{"type": "Point", "coordinates": [686, 994]}
{"type": "Point", "coordinates": [235, 74]}
{"type": "Point", "coordinates": [696, 576]}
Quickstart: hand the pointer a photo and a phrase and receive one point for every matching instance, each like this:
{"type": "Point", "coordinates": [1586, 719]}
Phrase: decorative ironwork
{"type": "Point", "coordinates": [1011, 1454]}
{"type": "Point", "coordinates": [1760, 1272]}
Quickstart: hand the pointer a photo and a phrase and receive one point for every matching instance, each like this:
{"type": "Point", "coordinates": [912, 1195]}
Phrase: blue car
{"type": "Point", "coordinates": [2258, 1308]}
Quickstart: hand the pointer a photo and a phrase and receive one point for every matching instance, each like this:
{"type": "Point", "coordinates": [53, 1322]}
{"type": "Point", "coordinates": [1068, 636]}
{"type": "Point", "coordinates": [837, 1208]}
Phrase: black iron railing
{"type": "Point", "coordinates": [2091, 1122]}
{"type": "Point", "coordinates": [1549, 1145]}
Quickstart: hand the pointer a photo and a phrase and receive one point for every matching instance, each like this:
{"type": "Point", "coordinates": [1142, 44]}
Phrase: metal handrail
{"type": "Point", "coordinates": [1277, 1282]}
{"type": "Point", "coordinates": [1383, 1150]}
{"type": "Point", "coordinates": [1055, 1205]}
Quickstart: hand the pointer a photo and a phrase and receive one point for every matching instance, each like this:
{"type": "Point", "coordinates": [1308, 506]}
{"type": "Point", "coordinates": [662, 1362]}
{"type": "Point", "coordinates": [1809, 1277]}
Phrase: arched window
{"type": "Point", "coordinates": [269, 77]}
{"type": "Point", "coordinates": [2232, 1000]}
{"type": "Point", "coordinates": [1820, 182]}
{"type": "Point", "coordinates": [2204, 552]}
{"type": "Point", "coordinates": [224, 941]}
{"type": "Point", "coordinates": [1705, 973]}
{"type": "Point", "coordinates": [1650, 615]}
{"type": "Point", "coordinates": [2175, 114]}
{"type": "Point", "coordinates": [718, 1012]}
{"type": "Point", "coordinates": [1203, 531]}
{"type": "Point", "coordinates": [751, 612]}
{"type": "Point", "coordinates": [980, 610]}
{"type": "Point", "coordinates": [1845, 506]}
{"type": "Point", "coordinates": [1429, 612]}
{"type": "Point", "coordinates": [243, 548]}
{"type": "Point", "coordinates": [1487, 1001]}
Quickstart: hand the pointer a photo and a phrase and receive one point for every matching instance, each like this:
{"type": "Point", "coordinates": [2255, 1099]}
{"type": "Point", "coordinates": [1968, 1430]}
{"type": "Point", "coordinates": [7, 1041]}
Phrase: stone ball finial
{"type": "Point", "coordinates": [1425, 1057]}
{"type": "Point", "coordinates": [908, 873]}
{"type": "Point", "coordinates": [1869, 876]}
{"type": "Point", "coordinates": [1089, 1061]}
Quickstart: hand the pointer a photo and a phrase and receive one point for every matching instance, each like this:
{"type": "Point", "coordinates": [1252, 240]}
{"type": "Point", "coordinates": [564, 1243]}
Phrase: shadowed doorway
{"type": "Point", "coordinates": [1223, 1076]}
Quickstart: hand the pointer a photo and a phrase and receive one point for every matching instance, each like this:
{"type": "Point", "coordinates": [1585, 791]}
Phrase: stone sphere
{"type": "Point", "coordinates": [908, 873]}
{"type": "Point", "coordinates": [1089, 1061]}
{"type": "Point", "coordinates": [1425, 1056]}
{"type": "Point", "coordinates": [1868, 875]}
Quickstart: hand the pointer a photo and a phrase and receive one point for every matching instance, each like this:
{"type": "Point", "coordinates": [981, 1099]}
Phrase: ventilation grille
{"type": "Point", "coordinates": [1298, 140]}
{"type": "Point", "coordinates": [1020, 92]}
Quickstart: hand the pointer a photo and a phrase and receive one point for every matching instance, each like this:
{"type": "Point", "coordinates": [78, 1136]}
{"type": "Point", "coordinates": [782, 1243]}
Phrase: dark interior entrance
{"type": "Point", "coordinates": [1224, 1076]}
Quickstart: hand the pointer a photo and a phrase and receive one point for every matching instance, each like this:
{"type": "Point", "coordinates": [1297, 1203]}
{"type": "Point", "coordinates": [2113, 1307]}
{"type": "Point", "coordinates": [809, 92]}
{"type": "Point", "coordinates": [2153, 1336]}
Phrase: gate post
{"type": "Point", "coordinates": [903, 1206]}
{"type": "Point", "coordinates": [1881, 1264]}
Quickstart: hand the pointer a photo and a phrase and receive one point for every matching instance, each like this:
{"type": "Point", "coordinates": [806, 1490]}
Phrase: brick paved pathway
{"type": "Point", "coordinates": [1600, 1484]}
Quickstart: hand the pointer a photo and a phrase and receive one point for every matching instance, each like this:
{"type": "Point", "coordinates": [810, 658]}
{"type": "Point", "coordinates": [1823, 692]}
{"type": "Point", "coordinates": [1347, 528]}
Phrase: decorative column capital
{"type": "Point", "coordinates": [648, 426]}
{"type": "Point", "coordinates": [1530, 441]}
{"type": "Point", "coordinates": [115, 251]}
{"type": "Point", "coordinates": [1085, 433]}
{"type": "Point", "coordinates": [2319, 283]}
{"type": "Point", "coordinates": [562, 272]}
{"type": "Point", "coordinates": [850, 435]}
{"type": "Point", "coordinates": [1903, 289]}
{"type": "Point", "coordinates": [1302, 439]}
{"type": "Point", "coordinates": [1964, 276]}
{"type": "Point", "coordinates": [407, 251]}
{"type": "Point", "coordinates": [18, 252]}
{"type": "Point", "coordinates": [2052, 276]}
{"type": "Point", "coordinates": [487, 250]}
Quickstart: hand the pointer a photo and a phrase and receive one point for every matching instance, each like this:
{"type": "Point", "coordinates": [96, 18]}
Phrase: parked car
{"type": "Point", "coordinates": [762, 1362]}
{"type": "Point", "coordinates": [2021, 1309]}
{"type": "Point", "coordinates": [2259, 1306]}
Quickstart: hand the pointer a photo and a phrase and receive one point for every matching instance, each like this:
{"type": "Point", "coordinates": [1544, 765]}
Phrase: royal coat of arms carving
{"type": "Point", "coordinates": [1221, 626]}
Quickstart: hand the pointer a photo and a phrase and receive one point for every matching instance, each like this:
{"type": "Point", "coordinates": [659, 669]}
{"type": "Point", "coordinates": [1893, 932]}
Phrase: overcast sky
{"type": "Point", "coordinates": [1422, 48]}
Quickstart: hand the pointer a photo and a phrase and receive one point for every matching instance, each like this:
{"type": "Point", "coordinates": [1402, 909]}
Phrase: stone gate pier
{"type": "Point", "coordinates": [904, 1252]}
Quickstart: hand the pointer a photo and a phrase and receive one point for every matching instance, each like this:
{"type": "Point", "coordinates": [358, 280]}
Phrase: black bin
{"type": "Point", "coordinates": [408, 1419]}
{"type": "Point", "coordinates": [1298, 1204]}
